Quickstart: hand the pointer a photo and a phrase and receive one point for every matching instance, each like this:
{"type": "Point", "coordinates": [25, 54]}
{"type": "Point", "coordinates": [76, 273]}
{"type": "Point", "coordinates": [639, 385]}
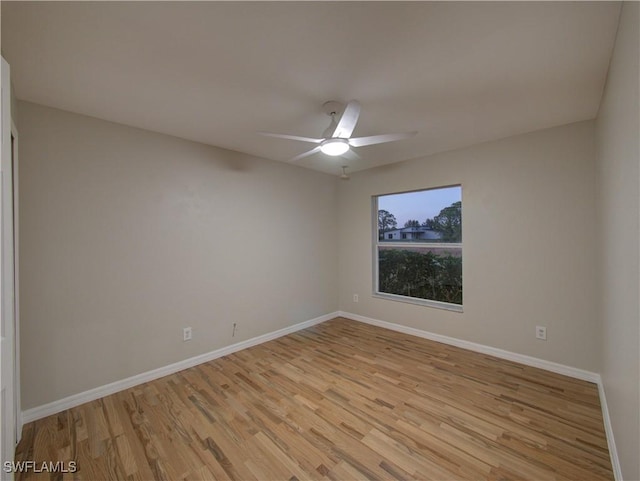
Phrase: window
{"type": "Point", "coordinates": [425, 265]}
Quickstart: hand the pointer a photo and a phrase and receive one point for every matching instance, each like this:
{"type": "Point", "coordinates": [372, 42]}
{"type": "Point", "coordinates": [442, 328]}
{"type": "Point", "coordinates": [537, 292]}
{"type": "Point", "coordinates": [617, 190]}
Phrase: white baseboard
{"type": "Point", "coordinates": [472, 346]}
{"type": "Point", "coordinates": [76, 399]}
{"type": "Point", "coordinates": [608, 429]}
{"type": "Point", "coordinates": [515, 357]}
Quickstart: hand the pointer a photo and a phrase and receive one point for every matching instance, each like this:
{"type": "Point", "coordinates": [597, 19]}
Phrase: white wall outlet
{"type": "Point", "coordinates": [186, 334]}
{"type": "Point", "coordinates": [541, 333]}
{"type": "Point", "coordinates": [355, 298]}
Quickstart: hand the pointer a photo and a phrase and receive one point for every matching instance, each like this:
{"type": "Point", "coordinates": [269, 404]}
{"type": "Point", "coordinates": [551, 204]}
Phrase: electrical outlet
{"type": "Point", "coordinates": [186, 334]}
{"type": "Point", "coordinates": [355, 298]}
{"type": "Point", "coordinates": [541, 333]}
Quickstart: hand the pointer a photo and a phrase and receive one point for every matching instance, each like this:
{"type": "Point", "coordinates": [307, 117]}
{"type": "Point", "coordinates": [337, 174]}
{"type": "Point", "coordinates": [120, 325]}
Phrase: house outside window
{"type": "Point", "coordinates": [417, 247]}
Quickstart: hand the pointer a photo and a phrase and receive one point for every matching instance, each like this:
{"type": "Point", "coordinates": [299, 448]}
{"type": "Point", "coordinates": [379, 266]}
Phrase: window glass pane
{"type": "Point", "coordinates": [427, 216]}
{"type": "Point", "coordinates": [433, 273]}
{"type": "Point", "coordinates": [418, 246]}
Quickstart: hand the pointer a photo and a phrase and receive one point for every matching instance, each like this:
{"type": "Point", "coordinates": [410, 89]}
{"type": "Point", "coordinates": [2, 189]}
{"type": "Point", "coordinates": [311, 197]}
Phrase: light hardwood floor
{"type": "Point", "coordinates": [339, 401]}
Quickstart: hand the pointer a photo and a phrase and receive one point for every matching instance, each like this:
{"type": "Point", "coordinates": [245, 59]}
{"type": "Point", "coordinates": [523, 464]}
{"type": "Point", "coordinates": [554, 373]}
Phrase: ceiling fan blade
{"type": "Point", "coordinates": [291, 137]}
{"type": "Point", "coordinates": [306, 154]}
{"type": "Point", "coordinates": [351, 155]}
{"type": "Point", "coordinates": [348, 121]}
{"type": "Point", "coordinates": [379, 139]}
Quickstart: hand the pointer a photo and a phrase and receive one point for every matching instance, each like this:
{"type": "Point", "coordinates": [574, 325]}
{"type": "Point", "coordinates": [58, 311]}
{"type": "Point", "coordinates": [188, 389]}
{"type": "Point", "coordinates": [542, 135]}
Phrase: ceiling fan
{"type": "Point", "coordinates": [336, 139]}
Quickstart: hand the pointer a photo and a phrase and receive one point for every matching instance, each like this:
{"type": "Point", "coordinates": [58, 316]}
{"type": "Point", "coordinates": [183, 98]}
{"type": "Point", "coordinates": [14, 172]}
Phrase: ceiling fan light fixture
{"type": "Point", "coordinates": [334, 147]}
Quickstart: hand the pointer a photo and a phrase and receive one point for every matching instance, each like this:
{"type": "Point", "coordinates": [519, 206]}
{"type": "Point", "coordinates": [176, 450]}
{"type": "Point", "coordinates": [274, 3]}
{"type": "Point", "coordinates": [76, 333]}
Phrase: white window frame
{"type": "Point", "coordinates": [376, 244]}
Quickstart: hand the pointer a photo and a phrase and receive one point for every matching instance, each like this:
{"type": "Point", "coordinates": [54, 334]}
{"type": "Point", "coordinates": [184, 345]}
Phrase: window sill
{"type": "Point", "coordinates": [420, 302]}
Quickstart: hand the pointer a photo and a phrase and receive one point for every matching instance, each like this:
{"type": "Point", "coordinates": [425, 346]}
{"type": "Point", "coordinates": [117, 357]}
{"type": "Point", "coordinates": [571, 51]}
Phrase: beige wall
{"type": "Point", "coordinates": [618, 176]}
{"type": "Point", "coordinates": [127, 236]}
{"type": "Point", "coordinates": [529, 247]}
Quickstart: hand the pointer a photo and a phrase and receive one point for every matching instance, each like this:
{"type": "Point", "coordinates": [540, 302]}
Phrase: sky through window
{"type": "Point", "coordinates": [421, 205]}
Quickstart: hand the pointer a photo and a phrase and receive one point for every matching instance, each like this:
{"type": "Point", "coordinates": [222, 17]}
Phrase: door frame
{"type": "Point", "coordinates": [16, 282]}
{"type": "Point", "coordinates": [9, 381]}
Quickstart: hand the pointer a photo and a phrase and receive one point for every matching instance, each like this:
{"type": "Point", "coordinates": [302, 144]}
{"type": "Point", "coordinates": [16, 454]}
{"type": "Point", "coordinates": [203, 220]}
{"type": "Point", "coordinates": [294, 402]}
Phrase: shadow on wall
{"type": "Point", "coordinates": [235, 161]}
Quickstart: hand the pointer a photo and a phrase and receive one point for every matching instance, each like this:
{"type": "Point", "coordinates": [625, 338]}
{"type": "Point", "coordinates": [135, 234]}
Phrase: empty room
{"type": "Point", "coordinates": [320, 241]}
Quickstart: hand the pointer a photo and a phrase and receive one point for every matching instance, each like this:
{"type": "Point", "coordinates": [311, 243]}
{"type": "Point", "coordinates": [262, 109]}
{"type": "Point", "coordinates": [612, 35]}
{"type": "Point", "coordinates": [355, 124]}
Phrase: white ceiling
{"type": "Point", "coordinates": [219, 72]}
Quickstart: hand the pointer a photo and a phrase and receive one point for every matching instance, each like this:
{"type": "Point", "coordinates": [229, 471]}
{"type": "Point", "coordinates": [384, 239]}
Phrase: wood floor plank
{"type": "Point", "coordinates": [338, 401]}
